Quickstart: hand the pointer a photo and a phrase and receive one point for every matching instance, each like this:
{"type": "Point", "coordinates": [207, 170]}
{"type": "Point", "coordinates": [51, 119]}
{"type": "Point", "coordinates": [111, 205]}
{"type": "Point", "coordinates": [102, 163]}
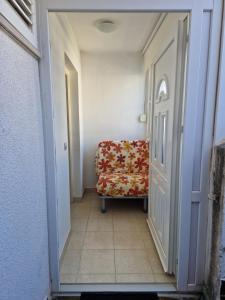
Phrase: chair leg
{"type": "Point", "coordinates": [103, 209]}
{"type": "Point", "coordinates": [145, 208]}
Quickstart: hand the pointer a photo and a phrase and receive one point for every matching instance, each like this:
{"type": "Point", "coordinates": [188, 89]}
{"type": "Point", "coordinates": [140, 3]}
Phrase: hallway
{"type": "Point", "coordinates": [115, 247]}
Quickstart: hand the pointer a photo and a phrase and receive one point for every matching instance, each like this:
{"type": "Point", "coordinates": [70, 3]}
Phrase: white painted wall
{"type": "Point", "coordinates": [113, 99]}
{"type": "Point", "coordinates": [23, 217]}
{"type": "Point", "coordinates": [63, 41]}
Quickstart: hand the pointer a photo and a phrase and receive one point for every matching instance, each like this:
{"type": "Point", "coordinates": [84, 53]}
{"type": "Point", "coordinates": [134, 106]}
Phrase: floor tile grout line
{"type": "Point", "coordinates": [114, 252]}
{"type": "Point", "coordinates": [113, 216]}
{"type": "Point", "coordinates": [82, 248]}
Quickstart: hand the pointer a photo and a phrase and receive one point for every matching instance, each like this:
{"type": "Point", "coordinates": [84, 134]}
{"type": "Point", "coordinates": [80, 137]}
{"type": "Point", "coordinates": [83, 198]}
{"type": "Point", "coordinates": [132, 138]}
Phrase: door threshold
{"type": "Point", "coordinates": [76, 289]}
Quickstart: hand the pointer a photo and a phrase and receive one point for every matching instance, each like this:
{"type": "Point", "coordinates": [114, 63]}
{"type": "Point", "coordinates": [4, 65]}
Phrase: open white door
{"type": "Point", "coordinates": [166, 76]}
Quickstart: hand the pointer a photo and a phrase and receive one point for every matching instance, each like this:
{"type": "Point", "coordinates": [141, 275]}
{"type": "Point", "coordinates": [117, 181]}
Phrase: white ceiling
{"type": "Point", "coordinates": [130, 36]}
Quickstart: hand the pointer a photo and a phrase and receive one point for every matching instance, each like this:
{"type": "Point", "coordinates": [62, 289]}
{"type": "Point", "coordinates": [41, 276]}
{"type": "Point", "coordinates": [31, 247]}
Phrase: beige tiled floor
{"type": "Point", "coordinates": [110, 248]}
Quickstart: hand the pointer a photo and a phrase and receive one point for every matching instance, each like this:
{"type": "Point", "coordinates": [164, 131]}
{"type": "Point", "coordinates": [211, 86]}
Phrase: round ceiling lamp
{"type": "Point", "coordinates": [106, 26]}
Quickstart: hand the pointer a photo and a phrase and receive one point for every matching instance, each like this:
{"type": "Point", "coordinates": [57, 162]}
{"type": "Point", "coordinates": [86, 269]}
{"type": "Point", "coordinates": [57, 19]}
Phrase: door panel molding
{"type": "Point", "coordinates": [160, 170]}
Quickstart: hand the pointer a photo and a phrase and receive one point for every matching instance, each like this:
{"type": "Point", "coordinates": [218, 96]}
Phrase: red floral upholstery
{"type": "Point", "coordinates": [122, 168]}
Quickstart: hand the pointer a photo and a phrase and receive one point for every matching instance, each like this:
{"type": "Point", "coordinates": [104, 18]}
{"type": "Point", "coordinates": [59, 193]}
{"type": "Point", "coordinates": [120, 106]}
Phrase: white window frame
{"type": "Point", "coordinates": [196, 10]}
{"type": "Point", "coordinates": [29, 33]}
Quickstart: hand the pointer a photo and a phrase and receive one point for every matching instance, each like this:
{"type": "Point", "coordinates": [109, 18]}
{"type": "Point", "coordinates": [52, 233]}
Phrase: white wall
{"type": "Point", "coordinates": [113, 99]}
{"type": "Point", "coordinates": [63, 42]}
{"type": "Point", "coordinates": [23, 216]}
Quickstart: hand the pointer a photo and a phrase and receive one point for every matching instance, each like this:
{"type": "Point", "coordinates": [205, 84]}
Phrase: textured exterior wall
{"type": "Point", "coordinates": [23, 218]}
{"type": "Point", "coordinates": [217, 192]}
{"type": "Point", "coordinates": [222, 259]}
{"type": "Point", "coordinates": [219, 135]}
{"type": "Point", "coordinates": [222, 212]}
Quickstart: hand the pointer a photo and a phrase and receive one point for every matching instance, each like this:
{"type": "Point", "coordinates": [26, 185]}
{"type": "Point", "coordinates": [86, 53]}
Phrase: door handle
{"type": "Point", "coordinates": [65, 146]}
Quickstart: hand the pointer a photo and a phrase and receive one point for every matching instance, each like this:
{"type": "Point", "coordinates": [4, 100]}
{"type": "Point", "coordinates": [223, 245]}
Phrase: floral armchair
{"type": "Point", "coordinates": [122, 168]}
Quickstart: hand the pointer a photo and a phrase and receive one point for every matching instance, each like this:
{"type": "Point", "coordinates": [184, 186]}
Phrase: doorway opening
{"type": "Point", "coordinates": [127, 72]}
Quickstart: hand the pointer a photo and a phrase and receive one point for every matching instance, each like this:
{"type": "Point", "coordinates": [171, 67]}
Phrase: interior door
{"type": "Point", "coordinates": [162, 179]}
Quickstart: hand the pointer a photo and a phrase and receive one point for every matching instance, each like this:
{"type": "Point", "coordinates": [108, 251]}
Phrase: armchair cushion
{"type": "Point", "coordinates": [122, 184]}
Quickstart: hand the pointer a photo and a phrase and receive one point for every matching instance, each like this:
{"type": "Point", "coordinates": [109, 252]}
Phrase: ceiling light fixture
{"type": "Point", "coordinates": [106, 26]}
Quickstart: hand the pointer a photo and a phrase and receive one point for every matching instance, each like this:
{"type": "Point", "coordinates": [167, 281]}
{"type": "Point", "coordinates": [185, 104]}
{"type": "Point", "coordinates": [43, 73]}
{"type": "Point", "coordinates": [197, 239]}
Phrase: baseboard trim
{"type": "Point", "coordinates": [79, 198]}
{"type": "Point", "coordinates": [90, 189]}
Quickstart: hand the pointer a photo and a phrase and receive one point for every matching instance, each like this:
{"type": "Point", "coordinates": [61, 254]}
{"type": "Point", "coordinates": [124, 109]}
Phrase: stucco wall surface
{"type": "Point", "coordinates": [24, 271]}
{"type": "Point", "coordinates": [222, 259]}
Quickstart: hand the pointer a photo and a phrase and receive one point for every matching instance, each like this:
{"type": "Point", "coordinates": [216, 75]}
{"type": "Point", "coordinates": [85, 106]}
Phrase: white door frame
{"type": "Point", "coordinates": [196, 10]}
